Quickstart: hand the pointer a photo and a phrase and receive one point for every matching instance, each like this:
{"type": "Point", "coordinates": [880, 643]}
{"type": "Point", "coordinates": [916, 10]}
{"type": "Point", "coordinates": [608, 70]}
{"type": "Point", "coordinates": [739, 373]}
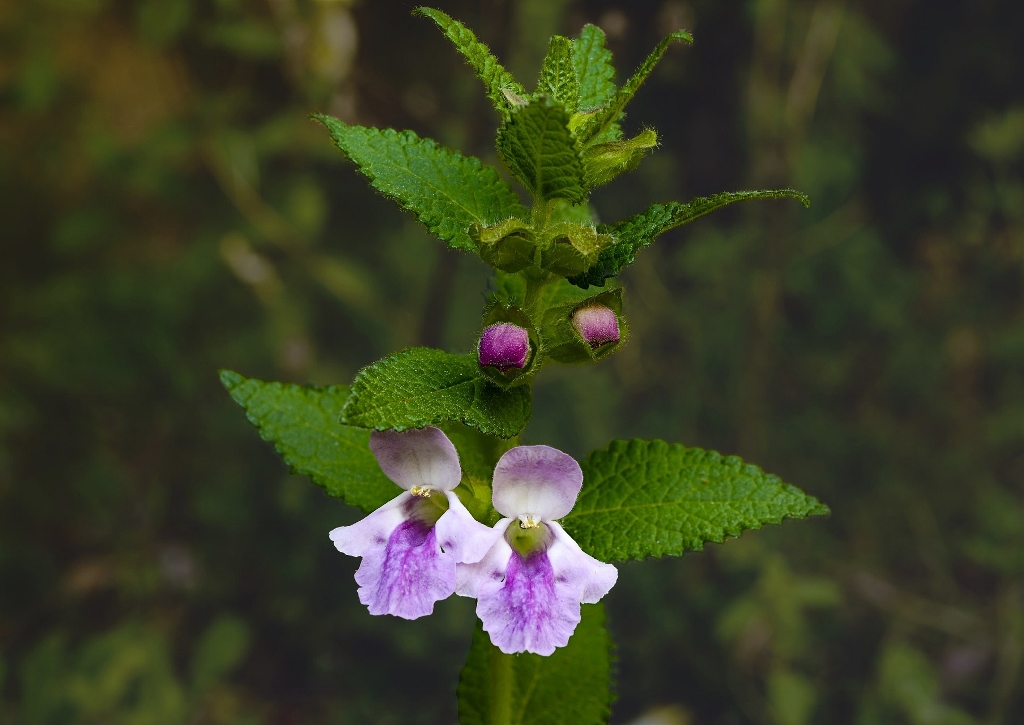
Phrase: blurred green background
{"type": "Point", "coordinates": [166, 209]}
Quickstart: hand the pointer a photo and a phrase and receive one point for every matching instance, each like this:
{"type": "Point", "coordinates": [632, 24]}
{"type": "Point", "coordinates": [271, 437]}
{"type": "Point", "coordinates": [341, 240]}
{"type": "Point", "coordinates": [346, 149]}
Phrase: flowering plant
{"type": "Point", "coordinates": [524, 529]}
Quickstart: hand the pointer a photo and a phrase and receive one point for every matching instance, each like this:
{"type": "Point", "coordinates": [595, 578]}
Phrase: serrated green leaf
{"type": "Point", "coordinates": [420, 386]}
{"type": "Point", "coordinates": [604, 161]}
{"type": "Point", "coordinates": [541, 152]}
{"type": "Point", "coordinates": [597, 79]}
{"type": "Point", "coordinates": [558, 75]}
{"type": "Point", "coordinates": [651, 498]}
{"type": "Point", "coordinates": [573, 685]}
{"type": "Point", "coordinates": [593, 68]}
{"type": "Point", "coordinates": [633, 234]}
{"type": "Point", "coordinates": [596, 127]}
{"type": "Point", "coordinates": [302, 423]}
{"type": "Point", "coordinates": [446, 191]}
{"type": "Point", "coordinates": [497, 81]}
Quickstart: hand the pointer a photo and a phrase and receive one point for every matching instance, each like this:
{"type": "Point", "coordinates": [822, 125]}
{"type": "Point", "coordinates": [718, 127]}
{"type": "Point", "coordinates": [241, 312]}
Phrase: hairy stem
{"type": "Point", "coordinates": [534, 284]}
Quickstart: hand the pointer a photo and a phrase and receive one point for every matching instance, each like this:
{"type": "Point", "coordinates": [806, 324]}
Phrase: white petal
{"type": "Point", "coordinates": [590, 578]}
{"type": "Point", "coordinates": [417, 457]}
{"type": "Point", "coordinates": [462, 536]}
{"type": "Point", "coordinates": [373, 530]}
{"type": "Point", "coordinates": [470, 577]}
{"type": "Point", "coordinates": [536, 480]}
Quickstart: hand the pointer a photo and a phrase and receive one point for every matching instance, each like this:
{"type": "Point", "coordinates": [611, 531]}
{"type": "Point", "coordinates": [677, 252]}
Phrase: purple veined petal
{"type": "Point", "coordinates": [406, 575]}
{"type": "Point", "coordinates": [536, 480]}
{"type": "Point", "coordinates": [470, 577]}
{"type": "Point", "coordinates": [462, 536]}
{"type": "Point", "coordinates": [596, 324]}
{"type": "Point", "coordinates": [417, 457]}
{"type": "Point", "coordinates": [403, 571]}
{"type": "Point", "coordinates": [589, 578]}
{"type": "Point", "coordinates": [373, 530]}
{"type": "Point", "coordinates": [530, 610]}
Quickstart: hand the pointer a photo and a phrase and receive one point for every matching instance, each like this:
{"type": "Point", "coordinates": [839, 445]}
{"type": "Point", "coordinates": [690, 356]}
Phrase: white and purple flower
{"type": "Point", "coordinates": [530, 584]}
{"type": "Point", "coordinates": [410, 546]}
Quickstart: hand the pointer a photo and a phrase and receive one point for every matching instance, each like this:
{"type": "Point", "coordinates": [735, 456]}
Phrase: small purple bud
{"type": "Point", "coordinates": [596, 324]}
{"type": "Point", "coordinates": [504, 345]}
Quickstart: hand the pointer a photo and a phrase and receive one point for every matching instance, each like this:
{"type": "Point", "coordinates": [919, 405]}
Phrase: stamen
{"type": "Point", "coordinates": [529, 521]}
{"type": "Point", "coordinates": [421, 491]}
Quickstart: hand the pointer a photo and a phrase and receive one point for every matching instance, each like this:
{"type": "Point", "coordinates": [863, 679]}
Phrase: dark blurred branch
{"type": "Point", "coordinates": [922, 612]}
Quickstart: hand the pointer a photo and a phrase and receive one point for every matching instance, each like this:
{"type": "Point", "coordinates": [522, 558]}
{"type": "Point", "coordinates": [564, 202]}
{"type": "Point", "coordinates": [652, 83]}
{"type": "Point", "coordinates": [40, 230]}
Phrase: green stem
{"type": "Point", "coordinates": [540, 215]}
{"type": "Point", "coordinates": [501, 687]}
{"type": "Point", "coordinates": [534, 284]}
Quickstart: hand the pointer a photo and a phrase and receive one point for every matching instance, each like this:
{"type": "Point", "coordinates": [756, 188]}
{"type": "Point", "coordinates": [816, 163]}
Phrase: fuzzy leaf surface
{"type": "Point", "coordinates": [593, 67]}
{"type": "Point", "coordinates": [420, 386]}
{"type": "Point", "coordinates": [541, 152]}
{"type": "Point", "coordinates": [599, 124]}
{"type": "Point", "coordinates": [446, 191]}
{"type": "Point", "coordinates": [558, 75]}
{"type": "Point", "coordinates": [604, 161]}
{"type": "Point", "coordinates": [650, 498]}
{"type": "Point", "coordinates": [302, 424]}
{"type": "Point", "coordinates": [636, 232]}
{"type": "Point", "coordinates": [495, 78]}
{"type": "Point", "coordinates": [573, 685]}
{"type": "Point", "coordinates": [596, 75]}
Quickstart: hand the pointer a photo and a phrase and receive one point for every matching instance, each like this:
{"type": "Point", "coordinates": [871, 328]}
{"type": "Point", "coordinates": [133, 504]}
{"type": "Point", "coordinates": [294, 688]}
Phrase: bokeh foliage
{"type": "Point", "coordinates": [167, 210]}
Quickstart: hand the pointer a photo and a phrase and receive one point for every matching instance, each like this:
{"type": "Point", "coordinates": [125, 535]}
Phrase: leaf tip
{"type": "Point", "coordinates": [424, 11]}
{"type": "Point", "coordinates": [819, 509]}
{"type": "Point", "coordinates": [230, 379]}
{"type": "Point", "coordinates": [801, 197]}
{"type": "Point", "coordinates": [683, 36]}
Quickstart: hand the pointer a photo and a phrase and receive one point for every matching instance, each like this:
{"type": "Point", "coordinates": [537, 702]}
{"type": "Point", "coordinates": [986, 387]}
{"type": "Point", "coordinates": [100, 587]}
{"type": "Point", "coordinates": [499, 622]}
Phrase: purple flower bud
{"type": "Point", "coordinates": [596, 324]}
{"type": "Point", "coordinates": [504, 345]}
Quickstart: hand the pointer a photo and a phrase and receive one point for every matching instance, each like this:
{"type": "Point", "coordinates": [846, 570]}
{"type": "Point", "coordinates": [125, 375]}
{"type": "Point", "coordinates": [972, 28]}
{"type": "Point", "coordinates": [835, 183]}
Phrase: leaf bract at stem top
{"type": "Point", "coordinates": [497, 81]}
{"type": "Point", "coordinates": [636, 232]}
{"type": "Point", "coordinates": [445, 190]}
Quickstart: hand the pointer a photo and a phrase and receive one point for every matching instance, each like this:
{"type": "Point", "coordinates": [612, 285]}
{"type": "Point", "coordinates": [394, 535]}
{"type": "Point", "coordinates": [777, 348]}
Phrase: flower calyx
{"type": "Point", "coordinates": [585, 331]}
{"type": "Point", "coordinates": [597, 324]}
{"type": "Point", "coordinates": [602, 162]}
{"type": "Point", "coordinates": [571, 248]}
{"type": "Point", "coordinates": [507, 347]}
{"type": "Point", "coordinates": [504, 346]}
{"type": "Point", "coordinates": [509, 245]}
